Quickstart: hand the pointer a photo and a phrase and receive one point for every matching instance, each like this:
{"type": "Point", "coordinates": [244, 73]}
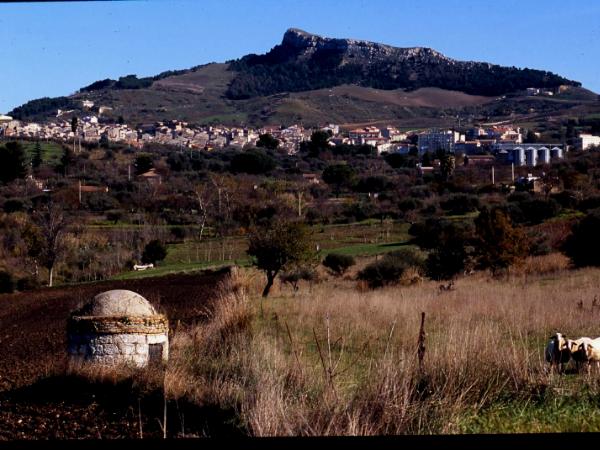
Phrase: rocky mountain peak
{"type": "Point", "coordinates": [307, 43]}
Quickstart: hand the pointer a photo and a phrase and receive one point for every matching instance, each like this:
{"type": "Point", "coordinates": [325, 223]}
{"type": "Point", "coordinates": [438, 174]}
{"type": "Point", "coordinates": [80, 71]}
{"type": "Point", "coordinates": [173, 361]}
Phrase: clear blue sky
{"type": "Point", "coordinates": [51, 49]}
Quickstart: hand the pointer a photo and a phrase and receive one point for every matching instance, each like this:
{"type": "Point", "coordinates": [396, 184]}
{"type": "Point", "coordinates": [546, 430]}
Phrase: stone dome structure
{"type": "Point", "coordinates": [116, 327]}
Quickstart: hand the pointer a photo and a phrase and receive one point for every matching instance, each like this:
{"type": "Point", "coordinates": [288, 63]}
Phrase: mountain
{"type": "Point", "coordinates": [311, 79]}
{"type": "Point", "coordinates": [306, 61]}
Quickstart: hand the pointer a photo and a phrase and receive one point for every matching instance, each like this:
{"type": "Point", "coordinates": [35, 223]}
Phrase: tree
{"type": "Point", "coordinates": [447, 165]}
{"type": "Point", "coordinates": [498, 245]}
{"type": "Point", "coordinates": [74, 124]}
{"type": "Point", "coordinates": [7, 283]}
{"type": "Point", "coordinates": [51, 223]}
{"type": "Point", "coordinates": [66, 160]}
{"type": "Point", "coordinates": [143, 163]}
{"type": "Point", "coordinates": [338, 263]}
{"type": "Point", "coordinates": [12, 162]}
{"type": "Point", "coordinates": [319, 142]}
{"type": "Point", "coordinates": [390, 268]}
{"type": "Point", "coordinates": [451, 248]}
{"type": "Point", "coordinates": [338, 176]}
{"type": "Point", "coordinates": [281, 246]}
{"type": "Point", "coordinates": [37, 160]}
{"type": "Point", "coordinates": [254, 162]}
{"type": "Point", "coordinates": [154, 251]}
{"type": "Point", "coordinates": [458, 204]}
{"type": "Point", "coordinates": [267, 141]}
{"type": "Point", "coordinates": [583, 244]}
{"type": "Point", "coordinates": [530, 137]}
{"type": "Point", "coordinates": [104, 142]}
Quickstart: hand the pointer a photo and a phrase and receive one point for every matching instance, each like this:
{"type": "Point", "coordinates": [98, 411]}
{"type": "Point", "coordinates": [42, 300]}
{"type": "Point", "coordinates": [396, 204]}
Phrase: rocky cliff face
{"type": "Point", "coordinates": [356, 50]}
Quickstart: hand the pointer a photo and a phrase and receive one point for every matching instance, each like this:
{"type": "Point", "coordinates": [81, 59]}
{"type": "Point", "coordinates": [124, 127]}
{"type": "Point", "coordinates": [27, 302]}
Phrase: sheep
{"type": "Point", "coordinates": [558, 351]}
{"type": "Point", "coordinates": [592, 352]}
{"type": "Point", "coordinates": [578, 351]}
{"type": "Point", "coordinates": [143, 266]}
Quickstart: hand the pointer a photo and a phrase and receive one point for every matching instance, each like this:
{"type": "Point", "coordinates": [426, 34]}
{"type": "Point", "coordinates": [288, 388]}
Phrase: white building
{"type": "Point", "coordinates": [586, 141]}
{"type": "Point", "coordinates": [433, 140]}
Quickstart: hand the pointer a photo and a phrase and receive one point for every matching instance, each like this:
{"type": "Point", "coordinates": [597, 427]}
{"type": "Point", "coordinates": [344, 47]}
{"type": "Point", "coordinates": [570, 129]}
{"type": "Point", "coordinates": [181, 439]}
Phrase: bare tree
{"type": "Point", "coordinates": [201, 195]}
{"type": "Point", "coordinates": [51, 222]}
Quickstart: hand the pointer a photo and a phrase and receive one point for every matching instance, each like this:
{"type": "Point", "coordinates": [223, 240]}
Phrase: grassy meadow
{"type": "Point", "coordinates": [335, 359]}
{"type": "Point", "coordinates": [367, 238]}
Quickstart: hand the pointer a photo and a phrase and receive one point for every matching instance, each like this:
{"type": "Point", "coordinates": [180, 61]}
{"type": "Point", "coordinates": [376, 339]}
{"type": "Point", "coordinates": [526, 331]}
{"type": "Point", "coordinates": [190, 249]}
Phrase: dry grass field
{"type": "Point", "coordinates": [336, 359]}
{"type": "Point", "coordinates": [333, 360]}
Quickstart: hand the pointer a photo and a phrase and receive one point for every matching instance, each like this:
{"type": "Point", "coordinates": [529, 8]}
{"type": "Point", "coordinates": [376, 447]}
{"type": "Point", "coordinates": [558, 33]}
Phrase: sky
{"type": "Point", "coordinates": [54, 48]}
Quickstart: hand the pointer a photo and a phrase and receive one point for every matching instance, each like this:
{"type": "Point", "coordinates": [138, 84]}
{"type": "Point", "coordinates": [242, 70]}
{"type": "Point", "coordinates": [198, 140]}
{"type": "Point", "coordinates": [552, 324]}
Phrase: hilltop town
{"type": "Point", "coordinates": [495, 143]}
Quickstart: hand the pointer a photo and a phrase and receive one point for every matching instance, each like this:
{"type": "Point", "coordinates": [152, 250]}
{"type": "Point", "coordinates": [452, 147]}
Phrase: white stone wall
{"type": "Point", "coordinates": [110, 349]}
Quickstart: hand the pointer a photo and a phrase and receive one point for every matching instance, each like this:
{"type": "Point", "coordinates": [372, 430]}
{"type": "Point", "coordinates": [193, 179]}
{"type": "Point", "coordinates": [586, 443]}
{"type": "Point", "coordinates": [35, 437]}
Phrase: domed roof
{"type": "Point", "coordinates": [118, 302]}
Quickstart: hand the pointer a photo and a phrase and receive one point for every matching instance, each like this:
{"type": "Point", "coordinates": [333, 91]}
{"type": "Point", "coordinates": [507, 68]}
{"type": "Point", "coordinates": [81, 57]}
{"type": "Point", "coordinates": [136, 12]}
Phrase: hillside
{"type": "Point", "coordinates": [305, 61]}
{"type": "Point", "coordinates": [309, 79]}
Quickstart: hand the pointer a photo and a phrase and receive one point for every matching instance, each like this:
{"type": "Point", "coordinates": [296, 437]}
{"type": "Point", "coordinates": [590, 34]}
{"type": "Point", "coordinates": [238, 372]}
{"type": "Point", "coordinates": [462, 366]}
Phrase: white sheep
{"type": "Point", "coordinates": [578, 348]}
{"type": "Point", "coordinates": [558, 351]}
{"type": "Point", "coordinates": [592, 352]}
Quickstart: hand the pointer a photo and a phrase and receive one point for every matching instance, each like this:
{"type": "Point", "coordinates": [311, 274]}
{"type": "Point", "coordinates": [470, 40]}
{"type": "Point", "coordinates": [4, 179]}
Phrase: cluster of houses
{"type": "Point", "coordinates": [496, 144]}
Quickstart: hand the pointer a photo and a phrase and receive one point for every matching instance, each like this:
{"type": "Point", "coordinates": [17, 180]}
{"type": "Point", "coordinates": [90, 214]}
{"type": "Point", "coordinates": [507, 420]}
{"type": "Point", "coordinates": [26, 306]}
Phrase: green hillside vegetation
{"type": "Point", "coordinates": [286, 86]}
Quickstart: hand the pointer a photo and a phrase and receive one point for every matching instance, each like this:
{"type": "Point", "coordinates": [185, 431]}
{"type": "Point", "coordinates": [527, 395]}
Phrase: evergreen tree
{"type": "Point", "coordinates": [154, 252]}
{"type": "Point", "coordinates": [74, 124]}
{"type": "Point", "coordinates": [13, 163]}
{"type": "Point", "coordinates": [36, 160]}
{"type": "Point", "coordinates": [447, 165]}
{"type": "Point", "coordinates": [66, 160]}
{"type": "Point", "coordinates": [267, 141]}
{"type": "Point", "coordinates": [583, 245]}
{"type": "Point", "coordinates": [338, 176]}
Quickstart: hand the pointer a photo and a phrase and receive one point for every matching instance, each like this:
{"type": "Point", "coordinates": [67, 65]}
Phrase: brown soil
{"type": "Point", "coordinates": [37, 399]}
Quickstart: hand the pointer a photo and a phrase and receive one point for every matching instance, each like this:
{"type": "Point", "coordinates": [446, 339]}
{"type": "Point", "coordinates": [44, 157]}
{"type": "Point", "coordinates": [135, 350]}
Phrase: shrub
{"type": "Point", "coordinates": [254, 162]}
{"type": "Point", "coordinates": [178, 233]}
{"type": "Point", "coordinates": [537, 210]}
{"type": "Point", "coordinates": [589, 203]}
{"type": "Point", "coordinates": [409, 204]}
{"type": "Point", "coordinates": [381, 273]}
{"type": "Point", "coordinates": [374, 183]}
{"type": "Point", "coordinates": [458, 204]}
{"type": "Point", "coordinates": [390, 268]}
{"type": "Point", "coordinates": [337, 263]}
{"type": "Point", "coordinates": [14, 205]}
{"type": "Point", "coordinates": [583, 245]}
{"type": "Point", "coordinates": [566, 199]}
{"type": "Point", "coordinates": [448, 259]}
{"type": "Point", "coordinates": [293, 277]}
{"type": "Point", "coordinates": [27, 284]}
{"type": "Point", "coordinates": [115, 215]}
{"type": "Point", "coordinates": [153, 252]}
{"type": "Point", "coordinates": [539, 243]}
{"type": "Point", "coordinates": [545, 264]}
{"type": "Point", "coordinates": [7, 284]}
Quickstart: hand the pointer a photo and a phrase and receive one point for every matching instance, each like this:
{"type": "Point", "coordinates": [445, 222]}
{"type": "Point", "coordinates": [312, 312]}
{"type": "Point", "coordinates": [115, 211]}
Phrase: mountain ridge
{"type": "Point", "coordinates": [305, 61]}
{"type": "Point", "coordinates": [302, 80]}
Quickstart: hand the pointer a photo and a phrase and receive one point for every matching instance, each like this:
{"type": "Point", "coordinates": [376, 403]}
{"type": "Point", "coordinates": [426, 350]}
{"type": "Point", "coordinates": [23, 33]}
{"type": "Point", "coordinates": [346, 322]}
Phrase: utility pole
{"type": "Point", "coordinates": [129, 172]}
{"type": "Point", "coordinates": [513, 171]}
{"type": "Point", "coordinates": [493, 180]}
